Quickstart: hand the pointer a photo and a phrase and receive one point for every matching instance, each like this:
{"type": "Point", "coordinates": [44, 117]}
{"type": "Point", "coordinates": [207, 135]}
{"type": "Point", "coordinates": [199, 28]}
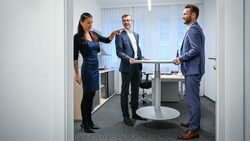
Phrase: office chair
{"type": "Point", "coordinates": [145, 84]}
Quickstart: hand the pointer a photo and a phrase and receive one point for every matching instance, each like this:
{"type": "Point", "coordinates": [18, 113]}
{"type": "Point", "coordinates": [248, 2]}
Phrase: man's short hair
{"type": "Point", "coordinates": [193, 9]}
{"type": "Point", "coordinates": [126, 15]}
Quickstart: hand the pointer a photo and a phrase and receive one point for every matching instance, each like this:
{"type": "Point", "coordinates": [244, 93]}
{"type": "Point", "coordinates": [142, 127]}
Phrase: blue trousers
{"type": "Point", "coordinates": [192, 86]}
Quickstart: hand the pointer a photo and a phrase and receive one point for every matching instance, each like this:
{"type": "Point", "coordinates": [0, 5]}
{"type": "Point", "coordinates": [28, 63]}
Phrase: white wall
{"type": "Point", "coordinates": [247, 70]}
{"type": "Point", "coordinates": [90, 6]}
{"type": "Point", "coordinates": [33, 87]}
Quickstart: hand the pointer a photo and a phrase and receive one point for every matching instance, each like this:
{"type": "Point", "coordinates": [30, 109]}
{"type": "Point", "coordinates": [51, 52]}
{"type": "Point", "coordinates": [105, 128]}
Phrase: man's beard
{"type": "Point", "coordinates": [187, 21]}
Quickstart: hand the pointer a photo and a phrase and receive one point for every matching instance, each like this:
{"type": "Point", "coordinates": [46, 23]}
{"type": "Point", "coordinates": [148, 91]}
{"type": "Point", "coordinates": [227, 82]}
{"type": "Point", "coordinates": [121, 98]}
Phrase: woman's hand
{"type": "Point", "coordinates": [78, 79]}
{"type": "Point", "coordinates": [116, 32]}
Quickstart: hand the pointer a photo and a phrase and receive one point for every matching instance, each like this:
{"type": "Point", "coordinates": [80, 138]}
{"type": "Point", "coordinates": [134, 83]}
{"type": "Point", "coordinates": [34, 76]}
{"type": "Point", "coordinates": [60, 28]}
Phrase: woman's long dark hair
{"type": "Point", "coordinates": [81, 32]}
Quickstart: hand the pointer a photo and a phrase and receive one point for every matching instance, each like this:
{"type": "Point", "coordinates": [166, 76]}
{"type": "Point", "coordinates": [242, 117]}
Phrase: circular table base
{"type": "Point", "coordinates": [164, 113]}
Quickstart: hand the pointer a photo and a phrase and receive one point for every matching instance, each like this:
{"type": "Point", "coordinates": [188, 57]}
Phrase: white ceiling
{"type": "Point", "coordinates": [118, 3]}
{"type": "Point", "coordinates": [124, 3]}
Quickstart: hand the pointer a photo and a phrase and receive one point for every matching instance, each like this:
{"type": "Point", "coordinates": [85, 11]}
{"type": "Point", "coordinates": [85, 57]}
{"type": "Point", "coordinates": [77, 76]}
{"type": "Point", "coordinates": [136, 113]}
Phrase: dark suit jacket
{"type": "Point", "coordinates": [124, 50]}
{"type": "Point", "coordinates": [192, 54]}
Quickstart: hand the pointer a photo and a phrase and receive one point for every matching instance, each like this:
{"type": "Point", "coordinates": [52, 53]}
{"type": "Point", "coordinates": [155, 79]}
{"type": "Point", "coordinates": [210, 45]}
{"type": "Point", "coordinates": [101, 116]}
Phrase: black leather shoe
{"type": "Point", "coordinates": [94, 127]}
{"type": "Point", "coordinates": [135, 116]}
{"type": "Point", "coordinates": [128, 121]}
{"type": "Point", "coordinates": [87, 128]}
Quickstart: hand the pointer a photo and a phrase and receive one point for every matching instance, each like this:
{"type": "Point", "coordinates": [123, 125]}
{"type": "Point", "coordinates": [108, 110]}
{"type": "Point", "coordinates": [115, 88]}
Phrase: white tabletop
{"type": "Point", "coordinates": [170, 77]}
{"type": "Point", "coordinates": [105, 70]}
{"type": "Point", "coordinates": [153, 61]}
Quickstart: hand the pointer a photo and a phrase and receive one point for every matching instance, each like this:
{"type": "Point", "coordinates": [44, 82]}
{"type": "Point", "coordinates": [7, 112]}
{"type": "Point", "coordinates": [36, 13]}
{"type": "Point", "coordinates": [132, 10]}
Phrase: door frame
{"type": "Point", "coordinates": [230, 73]}
{"type": "Point", "coordinates": [228, 115]}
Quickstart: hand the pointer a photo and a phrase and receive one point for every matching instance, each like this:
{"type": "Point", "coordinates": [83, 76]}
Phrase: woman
{"type": "Point", "coordinates": [86, 42]}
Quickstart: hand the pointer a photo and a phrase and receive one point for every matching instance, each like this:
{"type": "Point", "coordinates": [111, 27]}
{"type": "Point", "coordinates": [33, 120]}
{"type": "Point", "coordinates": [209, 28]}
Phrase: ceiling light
{"type": "Point", "coordinates": [149, 5]}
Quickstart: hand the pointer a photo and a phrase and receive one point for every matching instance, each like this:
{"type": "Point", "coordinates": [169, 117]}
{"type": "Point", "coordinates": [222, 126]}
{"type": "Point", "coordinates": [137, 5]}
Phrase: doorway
{"type": "Point", "coordinates": [224, 37]}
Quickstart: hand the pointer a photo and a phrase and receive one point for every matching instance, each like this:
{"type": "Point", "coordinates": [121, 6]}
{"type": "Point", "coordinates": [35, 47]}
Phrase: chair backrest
{"type": "Point", "coordinates": [146, 83]}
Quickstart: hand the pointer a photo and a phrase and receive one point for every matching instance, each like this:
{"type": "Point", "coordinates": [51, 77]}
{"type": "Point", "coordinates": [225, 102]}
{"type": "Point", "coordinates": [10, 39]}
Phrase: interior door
{"type": "Point", "coordinates": [210, 68]}
{"type": "Point", "coordinates": [210, 32]}
{"type": "Point", "coordinates": [210, 79]}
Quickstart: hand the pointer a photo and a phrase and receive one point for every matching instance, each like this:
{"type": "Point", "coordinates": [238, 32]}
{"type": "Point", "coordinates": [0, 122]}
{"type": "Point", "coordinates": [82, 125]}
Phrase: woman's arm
{"type": "Point", "coordinates": [109, 38]}
{"type": "Point", "coordinates": [78, 76]}
{"type": "Point", "coordinates": [112, 35]}
{"type": "Point", "coordinates": [76, 54]}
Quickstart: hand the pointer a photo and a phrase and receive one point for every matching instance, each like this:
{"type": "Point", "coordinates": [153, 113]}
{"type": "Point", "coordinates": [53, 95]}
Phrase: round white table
{"type": "Point", "coordinates": [157, 112]}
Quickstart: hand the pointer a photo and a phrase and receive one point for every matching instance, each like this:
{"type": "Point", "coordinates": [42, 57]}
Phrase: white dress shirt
{"type": "Point", "coordinates": [133, 41]}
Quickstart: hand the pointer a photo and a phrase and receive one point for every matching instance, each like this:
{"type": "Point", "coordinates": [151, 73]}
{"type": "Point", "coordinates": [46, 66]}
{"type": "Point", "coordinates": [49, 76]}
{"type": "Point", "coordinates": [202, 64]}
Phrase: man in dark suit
{"type": "Point", "coordinates": [128, 50]}
{"type": "Point", "coordinates": [192, 60]}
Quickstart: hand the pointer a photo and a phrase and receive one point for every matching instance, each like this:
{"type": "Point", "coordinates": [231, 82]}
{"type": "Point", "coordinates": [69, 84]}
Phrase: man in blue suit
{"type": "Point", "coordinates": [192, 60]}
{"type": "Point", "coordinates": [127, 49]}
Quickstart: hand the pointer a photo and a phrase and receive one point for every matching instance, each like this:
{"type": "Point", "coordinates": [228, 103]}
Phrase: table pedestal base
{"type": "Point", "coordinates": [164, 113]}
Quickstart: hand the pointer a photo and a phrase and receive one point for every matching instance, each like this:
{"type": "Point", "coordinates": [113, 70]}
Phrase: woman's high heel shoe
{"type": "Point", "coordinates": [87, 129]}
{"type": "Point", "coordinates": [94, 127]}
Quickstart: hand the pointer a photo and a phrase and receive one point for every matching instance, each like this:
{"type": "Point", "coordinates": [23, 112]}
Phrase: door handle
{"type": "Point", "coordinates": [214, 67]}
{"type": "Point", "coordinates": [212, 58]}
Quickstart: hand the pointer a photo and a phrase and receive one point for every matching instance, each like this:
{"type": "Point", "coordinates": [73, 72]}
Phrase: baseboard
{"type": "Point", "coordinates": [209, 99]}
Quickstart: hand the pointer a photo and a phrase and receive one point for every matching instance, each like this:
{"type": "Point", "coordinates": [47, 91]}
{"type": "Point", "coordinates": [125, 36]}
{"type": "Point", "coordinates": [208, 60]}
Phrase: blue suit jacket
{"type": "Point", "coordinates": [192, 54]}
{"type": "Point", "coordinates": [124, 50]}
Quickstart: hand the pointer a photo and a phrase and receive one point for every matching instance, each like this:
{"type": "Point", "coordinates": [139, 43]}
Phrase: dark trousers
{"type": "Point", "coordinates": [134, 78]}
{"type": "Point", "coordinates": [192, 86]}
{"type": "Point", "coordinates": [86, 108]}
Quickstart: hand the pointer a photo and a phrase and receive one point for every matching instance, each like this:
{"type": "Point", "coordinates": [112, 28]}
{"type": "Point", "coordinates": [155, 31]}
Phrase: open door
{"type": "Point", "coordinates": [210, 48]}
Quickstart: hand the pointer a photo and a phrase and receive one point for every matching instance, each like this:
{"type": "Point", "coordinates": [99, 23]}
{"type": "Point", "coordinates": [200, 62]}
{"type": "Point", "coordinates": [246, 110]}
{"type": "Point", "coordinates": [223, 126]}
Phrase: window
{"type": "Point", "coordinates": [161, 32]}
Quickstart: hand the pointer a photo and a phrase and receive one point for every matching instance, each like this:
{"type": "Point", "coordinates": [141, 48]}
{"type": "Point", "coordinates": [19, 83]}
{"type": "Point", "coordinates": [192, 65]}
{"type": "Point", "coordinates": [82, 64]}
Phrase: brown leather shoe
{"type": "Point", "coordinates": [189, 135]}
